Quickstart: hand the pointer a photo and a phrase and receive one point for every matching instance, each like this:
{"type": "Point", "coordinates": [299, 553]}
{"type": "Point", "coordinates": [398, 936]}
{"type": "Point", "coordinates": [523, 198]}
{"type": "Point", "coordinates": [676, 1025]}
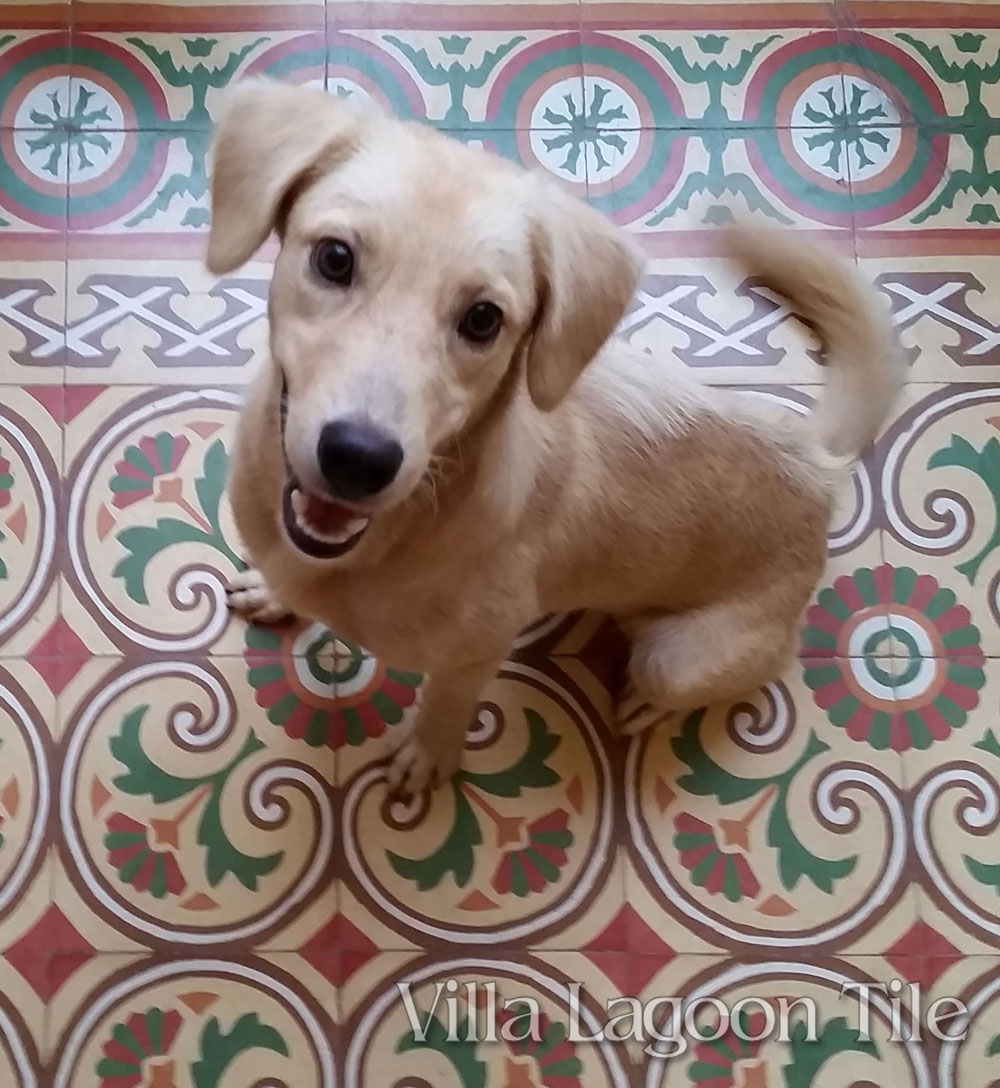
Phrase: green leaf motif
{"type": "Point", "coordinates": [987, 875]}
{"type": "Point", "coordinates": [209, 486]}
{"type": "Point", "coordinates": [836, 1037]}
{"type": "Point", "coordinates": [144, 542]}
{"type": "Point", "coordinates": [218, 1050]}
{"type": "Point", "coordinates": [708, 779]}
{"type": "Point", "coordinates": [456, 855]}
{"type": "Point", "coordinates": [714, 75]}
{"type": "Point", "coordinates": [460, 1054]}
{"type": "Point", "coordinates": [458, 78]}
{"type": "Point", "coordinates": [144, 778]}
{"type": "Point", "coordinates": [989, 744]}
{"type": "Point", "coordinates": [795, 861]}
{"type": "Point", "coordinates": [222, 857]}
{"type": "Point", "coordinates": [530, 771]}
{"type": "Point", "coordinates": [985, 464]}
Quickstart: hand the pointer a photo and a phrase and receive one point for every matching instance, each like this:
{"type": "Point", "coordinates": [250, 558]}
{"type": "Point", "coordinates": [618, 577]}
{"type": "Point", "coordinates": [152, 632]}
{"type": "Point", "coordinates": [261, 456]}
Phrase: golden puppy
{"type": "Point", "coordinates": [445, 444]}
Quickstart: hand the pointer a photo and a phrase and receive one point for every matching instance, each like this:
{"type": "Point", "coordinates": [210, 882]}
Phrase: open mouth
{"type": "Point", "coordinates": [317, 526]}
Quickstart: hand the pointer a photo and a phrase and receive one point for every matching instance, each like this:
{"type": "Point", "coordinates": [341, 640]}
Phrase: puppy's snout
{"type": "Point", "coordinates": [356, 460]}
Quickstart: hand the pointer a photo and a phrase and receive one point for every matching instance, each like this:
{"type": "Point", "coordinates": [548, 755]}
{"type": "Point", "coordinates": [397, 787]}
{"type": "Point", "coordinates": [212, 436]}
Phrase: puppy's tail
{"type": "Point", "coordinates": [866, 365]}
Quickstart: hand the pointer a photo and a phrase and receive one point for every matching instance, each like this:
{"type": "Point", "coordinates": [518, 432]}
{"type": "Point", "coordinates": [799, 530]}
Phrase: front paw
{"type": "Point", "coordinates": [416, 764]}
{"type": "Point", "coordinates": [249, 595]}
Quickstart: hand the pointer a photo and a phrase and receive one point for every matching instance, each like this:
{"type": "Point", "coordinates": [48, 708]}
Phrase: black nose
{"type": "Point", "coordinates": [356, 460]}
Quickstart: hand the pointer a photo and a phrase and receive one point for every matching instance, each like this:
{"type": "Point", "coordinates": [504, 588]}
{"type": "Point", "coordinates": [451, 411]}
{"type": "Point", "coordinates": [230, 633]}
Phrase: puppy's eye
{"type": "Point", "coordinates": [481, 322]}
{"type": "Point", "coordinates": [333, 260]}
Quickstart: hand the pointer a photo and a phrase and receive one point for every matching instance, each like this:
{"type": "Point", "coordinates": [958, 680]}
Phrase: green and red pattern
{"type": "Point", "coordinates": [541, 861]}
{"type": "Point", "coordinates": [551, 1049]}
{"type": "Point", "coordinates": [138, 862]}
{"type": "Point", "coordinates": [204, 881]}
{"type": "Point", "coordinates": [892, 658]}
{"type": "Point", "coordinates": [324, 689]}
{"type": "Point", "coordinates": [722, 1062]}
{"type": "Point", "coordinates": [711, 867]}
{"type": "Point", "coordinates": [143, 464]}
{"type": "Point", "coordinates": [6, 482]}
{"type": "Point", "coordinates": [130, 1052]}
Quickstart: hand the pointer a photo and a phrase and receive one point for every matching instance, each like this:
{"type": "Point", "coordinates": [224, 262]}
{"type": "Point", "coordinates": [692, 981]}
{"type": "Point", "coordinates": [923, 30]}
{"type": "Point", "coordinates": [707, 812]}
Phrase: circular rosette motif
{"type": "Point", "coordinates": [83, 132]}
{"type": "Point", "coordinates": [211, 1023]}
{"type": "Point", "coordinates": [512, 845]}
{"type": "Point", "coordinates": [746, 827]}
{"type": "Point", "coordinates": [323, 689]}
{"type": "Point", "coordinates": [27, 520]}
{"type": "Point", "coordinates": [181, 823]}
{"type": "Point", "coordinates": [532, 1041]}
{"type": "Point", "coordinates": [892, 658]}
{"type": "Point", "coordinates": [151, 540]}
{"type": "Point", "coordinates": [830, 111]}
{"type": "Point", "coordinates": [598, 134]}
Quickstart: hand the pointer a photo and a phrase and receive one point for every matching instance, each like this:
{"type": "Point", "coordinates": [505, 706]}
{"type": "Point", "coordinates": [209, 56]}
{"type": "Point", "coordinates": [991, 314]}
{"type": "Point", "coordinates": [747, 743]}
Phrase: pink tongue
{"type": "Point", "coordinates": [329, 518]}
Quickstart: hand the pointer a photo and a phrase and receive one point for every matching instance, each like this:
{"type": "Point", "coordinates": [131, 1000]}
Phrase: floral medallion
{"type": "Point", "coordinates": [323, 689]}
{"type": "Point", "coordinates": [83, 134]}
{"type": "Point", "coordinates": [594, 134]}
{"type": "Point", "coordinates": [830, 111]}
{"type": "Point", "coordinates": [892, 658]}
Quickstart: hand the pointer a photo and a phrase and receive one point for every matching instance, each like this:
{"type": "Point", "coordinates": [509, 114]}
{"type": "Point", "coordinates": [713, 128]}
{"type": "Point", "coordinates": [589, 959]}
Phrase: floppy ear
{"type": "Point", "coordinates": [586, 270]}
{"type": "Point", "coordinates": [270, 135]}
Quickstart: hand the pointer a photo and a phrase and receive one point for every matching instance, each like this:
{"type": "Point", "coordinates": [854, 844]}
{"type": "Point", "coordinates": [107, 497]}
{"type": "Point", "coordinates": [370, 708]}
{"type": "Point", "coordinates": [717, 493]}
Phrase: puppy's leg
{"type": "Point", "coordinates": [685, 661]}
{"type": "Point", "coordinates": [250, 596]}
{"type": "Point", "coordinates": [428, 751]}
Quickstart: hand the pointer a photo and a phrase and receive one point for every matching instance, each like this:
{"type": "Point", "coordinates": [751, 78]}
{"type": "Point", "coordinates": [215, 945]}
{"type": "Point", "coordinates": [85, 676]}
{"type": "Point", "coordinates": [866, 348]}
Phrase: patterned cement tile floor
{"type": "Point", "coordinates": [202, 884]}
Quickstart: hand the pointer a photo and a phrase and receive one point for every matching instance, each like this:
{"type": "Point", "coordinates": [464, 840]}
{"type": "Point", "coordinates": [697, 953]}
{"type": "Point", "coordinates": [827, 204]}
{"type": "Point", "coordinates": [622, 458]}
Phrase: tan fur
{"type": "Point", "coordinates": [554, 470]}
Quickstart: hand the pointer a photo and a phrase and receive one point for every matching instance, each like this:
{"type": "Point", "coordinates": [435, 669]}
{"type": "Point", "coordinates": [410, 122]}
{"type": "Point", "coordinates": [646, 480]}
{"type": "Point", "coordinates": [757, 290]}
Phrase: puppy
{"type": "Point", "coordinates": [446, 444]}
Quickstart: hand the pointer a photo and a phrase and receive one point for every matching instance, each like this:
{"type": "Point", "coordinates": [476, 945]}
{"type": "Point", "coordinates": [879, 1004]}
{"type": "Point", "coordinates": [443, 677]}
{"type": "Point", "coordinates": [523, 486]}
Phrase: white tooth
{"type": "Point", "coordinates": [298, 502]}
{"type": "Point", "coordinates": [338, 538]}
{"type": "Point", "coordinates": [324, 538]}
{"type": "Point", "coordinates": [355, 525]}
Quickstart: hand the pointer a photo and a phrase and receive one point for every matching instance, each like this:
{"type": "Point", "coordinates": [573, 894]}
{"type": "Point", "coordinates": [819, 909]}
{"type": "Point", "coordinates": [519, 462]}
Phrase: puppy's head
{"type": "Point", "coordinates": [414, 273]}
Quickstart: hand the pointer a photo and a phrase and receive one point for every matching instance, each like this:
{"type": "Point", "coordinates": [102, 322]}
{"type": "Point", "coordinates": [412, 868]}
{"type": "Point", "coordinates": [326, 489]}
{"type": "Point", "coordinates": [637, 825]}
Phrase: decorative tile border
{"type": "Point", "coordinates": [667, 125]}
